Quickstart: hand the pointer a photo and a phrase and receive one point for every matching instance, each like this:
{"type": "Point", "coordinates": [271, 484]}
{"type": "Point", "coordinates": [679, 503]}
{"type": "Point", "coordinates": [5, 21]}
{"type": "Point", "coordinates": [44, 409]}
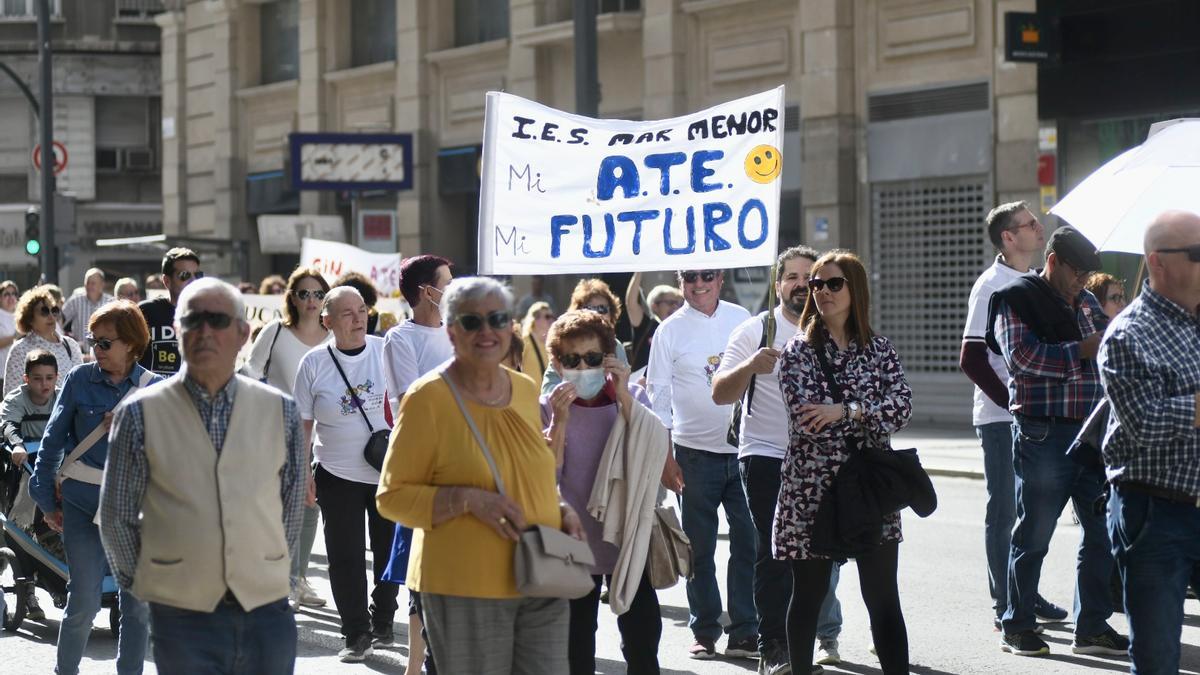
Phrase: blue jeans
{"type": "Point", "coordinates": [87, 567]}
{"type": "Point", "coordinates": [226, 641]}
{"type": "Point", "coordinates": [712, 479]}
{"type": "Point", "coordinates": [997, 441]}
{"type": "Point", "coordinates": [1046, 479]}
{"type": "Point", "coordinates": [773, 578]}
{"type": "Point", "coordinates": [1157, 545]}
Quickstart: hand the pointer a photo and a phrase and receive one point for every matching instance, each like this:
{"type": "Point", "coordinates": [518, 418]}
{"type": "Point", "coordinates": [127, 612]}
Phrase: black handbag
{"type": "Point", "coordinates": [377, 444]}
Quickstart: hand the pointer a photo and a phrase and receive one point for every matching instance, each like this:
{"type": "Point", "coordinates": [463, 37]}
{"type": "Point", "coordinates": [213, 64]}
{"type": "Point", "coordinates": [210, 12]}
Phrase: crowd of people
{"type": "Point", "coordinates": [442, 441]}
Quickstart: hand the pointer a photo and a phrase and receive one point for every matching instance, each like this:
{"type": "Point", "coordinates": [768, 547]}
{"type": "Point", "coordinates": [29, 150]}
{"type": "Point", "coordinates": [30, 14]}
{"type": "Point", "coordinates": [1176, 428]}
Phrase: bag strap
{"type": "Point", "coordinates": [538, 352]}
{"type": "Point", "coordinates": [349, 388]}
{"type": "Point", "coordinates": [835, 389]}
{"type": "Point", "coordinates": [271, 351]}
{"type": "Point", "coordinates": [99, 432]}
{"type": "Point", "coordinates": [753, 378]}
{"type": "Point", "coordinates": [487, 454]}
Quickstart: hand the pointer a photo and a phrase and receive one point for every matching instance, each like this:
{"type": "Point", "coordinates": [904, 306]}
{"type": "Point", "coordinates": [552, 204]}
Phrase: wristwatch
{"type": "Point", "coordinates": [853, 410]}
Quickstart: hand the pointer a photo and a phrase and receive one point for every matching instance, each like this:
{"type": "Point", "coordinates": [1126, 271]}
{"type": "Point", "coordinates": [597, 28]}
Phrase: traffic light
{"type": "Point", "coordinates": [33, 245]}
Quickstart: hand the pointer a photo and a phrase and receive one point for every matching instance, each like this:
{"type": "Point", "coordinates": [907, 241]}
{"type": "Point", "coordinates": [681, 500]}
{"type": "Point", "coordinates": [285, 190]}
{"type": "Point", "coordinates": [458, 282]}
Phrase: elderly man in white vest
{"type": "Point", "coordinates": [201, 500]}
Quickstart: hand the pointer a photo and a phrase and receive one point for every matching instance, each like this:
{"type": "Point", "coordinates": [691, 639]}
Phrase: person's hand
{"type": "Point", "coordinates": [107, 421]}
{"type": "Point", "coordinates": [817, 416]}
{"type": "Point", "coordinates": [19, 456]}
{"type": "Point", "coordinates": [560, 399]}
{"type": "Point", "coordinates": [54, 521]}
{"type": "Point", "coordinates": [497, 512]}
{"type": "Point", "coordinates": [310, 491]}
{"type": "Point", "coordinates": [1090, 346]}
{"type": "Point", "coordinates": [571, 524]}
{"type": "Point", "coordinates": [619, 372]}
{"type": "Point", "coordinates": [764, 361]}
{"type": "Point", "coordinates": [672, 475]}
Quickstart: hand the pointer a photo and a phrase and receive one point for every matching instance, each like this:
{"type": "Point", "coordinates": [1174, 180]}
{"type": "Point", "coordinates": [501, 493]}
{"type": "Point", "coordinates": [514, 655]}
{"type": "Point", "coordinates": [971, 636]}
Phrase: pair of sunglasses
{"type": "Point", "coordinates": [184, 275]}
{"type": "Point", "coordinates": [835, 284]}
{"type": "Point", "coordinates": [217, 320]}
{"type": "Point", "coordinates": [599, 309]}
{"type": "Point", "coordinates": [47, 311]}
{"type": "Point", "coordinates": [592, 359]}
{"type": "Point", "coordinates": [473, 322]}
{"type": "Point", "coordinates": [1193, 252]}
{"type": "Point", "coordinates": [690, 277]}
{"type": "Point", "coordinates": [103, 344]}
{"type": "Point", "coordinates": [305, 294]}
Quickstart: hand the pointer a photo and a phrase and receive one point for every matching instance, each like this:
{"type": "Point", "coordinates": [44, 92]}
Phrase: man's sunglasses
{"type": "Point", "coordinates": [103, 344]}
{"type": "Point", "coordinates": [47, 311]}
{"type": "Point", "coordinates": [184, 275]}
{"type": "Point", "coordinates": [305, 294]}
{"type": "Point", "coordinates": [592, 359]}
{"type": "Point", "coordinates": [691, 277]}
{"type": "Point", "coordinates": [217, 320]}
{"type": "Point", "coordinates": [834, 284]}
{"type": "Point", "coordinates": [599, 309]}
{"type": "Point", "coordinates": [1193, 252]}
{"type": "Point", "coordinates": [473, 322]}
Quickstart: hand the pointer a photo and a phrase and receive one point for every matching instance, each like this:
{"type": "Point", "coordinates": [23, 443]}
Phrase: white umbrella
{"type": "Point", "coordinates": [1113, 206]}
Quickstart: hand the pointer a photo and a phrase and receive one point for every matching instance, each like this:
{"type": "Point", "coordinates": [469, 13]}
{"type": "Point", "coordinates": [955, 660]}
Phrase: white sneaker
{"type": "Point", "coordinates": [306, 596]}
{"type": "Point", "coordinates": [827, 652]}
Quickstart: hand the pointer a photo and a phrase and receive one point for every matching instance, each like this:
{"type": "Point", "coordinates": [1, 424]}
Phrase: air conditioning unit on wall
{"type": "Point", "coordinates": [138, 159]}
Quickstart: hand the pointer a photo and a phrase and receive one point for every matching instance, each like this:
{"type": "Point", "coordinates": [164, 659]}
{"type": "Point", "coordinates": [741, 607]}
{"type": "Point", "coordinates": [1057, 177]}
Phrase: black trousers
{"type": "Point", "coordinates": [877, 578]}
{"type": "Point", "coordinates": [640, 627]}
{"type": "Point", "coordinates": [772, 578]}
{"type": "Point", "coordinates": [344, 504]}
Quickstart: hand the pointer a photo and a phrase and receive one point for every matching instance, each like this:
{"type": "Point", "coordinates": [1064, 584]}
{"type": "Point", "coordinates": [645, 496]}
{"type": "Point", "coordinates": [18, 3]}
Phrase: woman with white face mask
{"type": "Point", "coordinates": [580, 413]}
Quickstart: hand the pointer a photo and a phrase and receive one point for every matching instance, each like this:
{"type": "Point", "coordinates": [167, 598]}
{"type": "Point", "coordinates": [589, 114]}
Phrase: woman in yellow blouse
{"type": "Point", "coordinates": [534, 328]}
{"type": "Point", "coordinates": [435, 480]}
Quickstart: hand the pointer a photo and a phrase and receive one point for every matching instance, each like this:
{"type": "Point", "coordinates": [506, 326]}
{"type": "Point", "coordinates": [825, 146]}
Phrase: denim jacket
{"type": "Point", "coordinates": [87, 395]}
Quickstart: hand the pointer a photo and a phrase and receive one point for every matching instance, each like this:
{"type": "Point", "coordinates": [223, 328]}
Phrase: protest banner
{"type": "Point", "coordinates": [335, 258]}
{"type": "Point", "coordinates": [564, 193]}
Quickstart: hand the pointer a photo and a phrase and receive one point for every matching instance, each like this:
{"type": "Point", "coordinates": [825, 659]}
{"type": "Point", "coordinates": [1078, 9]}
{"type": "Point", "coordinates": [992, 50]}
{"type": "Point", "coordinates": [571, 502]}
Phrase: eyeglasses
{"type": "Point", "coordinates": [305, 294]}
{"type": "Point", "coordinates": [599, 309]}
{"type": "Point", "coordinates": [1116, 297]}
{"type": "Point", "coordinates": [103, 344]}
{"type": "Point", "coordinates": [1193, 252]}
{"type": "Point", "coordinates": [473, 322]}
{"type": "Point", "coordinates": [1033, 225]}
{"type": "Point", "coordinates": [834, 284]}
{"type": "Point", "coordinates": [184, 275]}
{"type": "Point", "coordinates": [47, 311]}
{"type": "Point", "coordinates": [1080, 275]}
{"type": "Point", "coordinates": [217, 320]}
{"type": "Point", "coordinates": [592, 359]}
{"type": "Point", "coordinates": [690, 277]}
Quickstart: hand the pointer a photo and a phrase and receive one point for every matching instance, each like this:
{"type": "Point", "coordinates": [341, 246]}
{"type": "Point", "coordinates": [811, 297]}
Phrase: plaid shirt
{"type": "Point", "coordinates": [1050, 380]}
{"type": "Point", "coordinates": [127, 473]}
{"type": "Point", "coordinates": [1151, 373]}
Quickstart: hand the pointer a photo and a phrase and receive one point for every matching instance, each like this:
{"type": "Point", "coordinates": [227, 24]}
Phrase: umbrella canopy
{"type": "Point", "coordinates": [1113, 206]}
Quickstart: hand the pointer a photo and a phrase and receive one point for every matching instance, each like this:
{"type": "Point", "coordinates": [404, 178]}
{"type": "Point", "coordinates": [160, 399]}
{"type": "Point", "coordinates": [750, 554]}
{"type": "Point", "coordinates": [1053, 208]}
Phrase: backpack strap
{"type": "Point", "coordinates": [764, 317]}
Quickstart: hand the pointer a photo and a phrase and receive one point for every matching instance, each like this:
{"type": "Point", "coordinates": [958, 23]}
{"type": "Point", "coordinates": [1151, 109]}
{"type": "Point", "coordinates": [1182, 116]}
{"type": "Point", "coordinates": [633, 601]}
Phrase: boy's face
{"type": "Point", "coordinates": [41, 381]}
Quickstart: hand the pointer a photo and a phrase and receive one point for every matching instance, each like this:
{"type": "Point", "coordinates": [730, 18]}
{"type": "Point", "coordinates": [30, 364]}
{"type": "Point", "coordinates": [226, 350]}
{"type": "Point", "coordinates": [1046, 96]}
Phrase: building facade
{"type": "Point", "coordinates": [107, 111]}
{"type": "Point", "coordinates": [905, 122]}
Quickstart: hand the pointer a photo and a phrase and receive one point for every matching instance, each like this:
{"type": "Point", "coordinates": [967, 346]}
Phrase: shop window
{"type": "Point", "coordinates": [279, 41]}
{"type": "Point", "coordinates": [478, 21]}
{"type": "Point", "coordinates": [372, 31]}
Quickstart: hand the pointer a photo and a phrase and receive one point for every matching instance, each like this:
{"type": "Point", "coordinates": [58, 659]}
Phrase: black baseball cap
{"type": "Point", "coordinates": [1073, 248]}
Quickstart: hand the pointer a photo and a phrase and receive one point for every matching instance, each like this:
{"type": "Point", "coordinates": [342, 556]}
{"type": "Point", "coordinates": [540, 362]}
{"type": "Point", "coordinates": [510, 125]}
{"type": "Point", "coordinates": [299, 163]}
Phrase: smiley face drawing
{"type": "Point", "coordinates": [764, 164]}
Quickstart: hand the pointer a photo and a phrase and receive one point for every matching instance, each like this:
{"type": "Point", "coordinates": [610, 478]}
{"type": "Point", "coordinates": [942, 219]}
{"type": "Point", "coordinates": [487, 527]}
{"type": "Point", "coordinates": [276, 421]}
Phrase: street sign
{"type": "Point", "coordinates": [336, 161]}
{"type": "Point", "coordinates": [60, 157]}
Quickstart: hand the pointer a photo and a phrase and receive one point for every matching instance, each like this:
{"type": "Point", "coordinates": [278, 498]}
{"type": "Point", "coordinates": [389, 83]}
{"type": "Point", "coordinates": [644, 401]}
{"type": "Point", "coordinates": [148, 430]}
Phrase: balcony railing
{"type": "Point", "coordinates": [138, 10]}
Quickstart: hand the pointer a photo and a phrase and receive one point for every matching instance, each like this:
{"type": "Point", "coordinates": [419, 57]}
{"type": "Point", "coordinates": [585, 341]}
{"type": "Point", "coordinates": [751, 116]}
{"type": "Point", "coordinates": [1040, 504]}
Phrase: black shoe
{"type": "Point", "coordinates": [1025, 643]}
{"type": "Point", "coordinates": [1047, 611]}
{"type": "Point", "coordinates": [775, 660]}
{"type": "Point", "coordinates": [382, 637]}
{"type": "Point", "coordinates": [1109, 642]}
{"type": "Point", "coordinates": [357, 649]}
{"type": "Point", "coordinates": [742, 648]}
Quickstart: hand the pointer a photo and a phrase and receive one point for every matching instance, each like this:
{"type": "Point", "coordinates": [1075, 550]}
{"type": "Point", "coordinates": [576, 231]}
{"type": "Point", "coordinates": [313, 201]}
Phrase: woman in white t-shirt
{"type": "Point", "coordinates": [341, 396]}
{"type": "Point", "coordinates": [8, 322]}
{"type": "Point", "coordinates": [275, 359]}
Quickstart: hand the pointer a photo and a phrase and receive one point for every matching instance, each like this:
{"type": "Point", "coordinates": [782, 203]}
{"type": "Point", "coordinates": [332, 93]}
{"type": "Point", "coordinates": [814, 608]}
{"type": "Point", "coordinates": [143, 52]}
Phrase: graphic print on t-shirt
{"type": "Point", "coordinates": [366, 396]}
{"type": "Point", "coordinates": [711, 368]}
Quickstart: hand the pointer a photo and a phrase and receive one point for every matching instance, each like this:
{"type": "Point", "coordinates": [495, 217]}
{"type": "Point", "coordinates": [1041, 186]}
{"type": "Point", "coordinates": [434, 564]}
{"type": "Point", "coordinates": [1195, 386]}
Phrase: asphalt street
{"type": "Point", "coordinates": [943, 587]}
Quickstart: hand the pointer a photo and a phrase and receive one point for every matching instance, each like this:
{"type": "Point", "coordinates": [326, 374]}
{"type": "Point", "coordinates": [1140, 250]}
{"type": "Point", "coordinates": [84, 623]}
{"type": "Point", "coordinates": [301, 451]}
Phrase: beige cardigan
{"type": "Point", "coordinates": [624, 496]}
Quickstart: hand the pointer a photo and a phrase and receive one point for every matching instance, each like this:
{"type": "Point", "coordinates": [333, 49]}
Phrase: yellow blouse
{"type": "Point", "coordinates": [432, 446]}
{"type": "Point", "coordinates": [530, 365]}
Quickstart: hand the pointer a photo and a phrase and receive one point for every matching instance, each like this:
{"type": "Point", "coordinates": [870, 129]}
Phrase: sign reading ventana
{"type": "Point", "coordinates": [562, 193]}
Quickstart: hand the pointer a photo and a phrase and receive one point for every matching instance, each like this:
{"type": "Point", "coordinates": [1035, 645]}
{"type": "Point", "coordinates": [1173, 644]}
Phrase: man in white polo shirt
{"type": "Point", "coordinates": [684, 357]}
{"type": "Point", "coordinates": [749, 371]}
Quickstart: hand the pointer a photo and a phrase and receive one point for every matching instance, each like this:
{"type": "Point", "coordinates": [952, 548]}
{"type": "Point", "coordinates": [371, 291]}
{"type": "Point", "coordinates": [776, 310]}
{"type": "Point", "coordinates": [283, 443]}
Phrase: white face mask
{"type": "Point", "coordinates": [588, 383]}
